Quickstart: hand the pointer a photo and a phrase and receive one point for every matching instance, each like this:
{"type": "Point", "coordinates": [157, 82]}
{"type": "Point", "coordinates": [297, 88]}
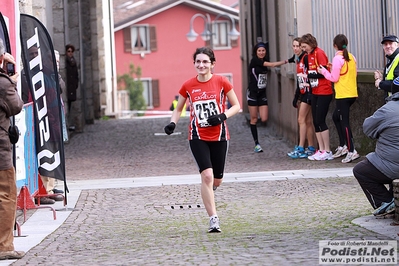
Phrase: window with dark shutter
{"type": "Point", "coordinates": [153, 39]}
{"type": "Point", "coordinates": [155, 93]}
{"type": "Point", "coordinates": [127, 40]}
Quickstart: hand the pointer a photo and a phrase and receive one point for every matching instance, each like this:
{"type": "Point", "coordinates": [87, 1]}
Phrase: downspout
{"type": "Point", "coordinates": [278, 70]}
{"type": "Point", "coordinates": [295, 19]}
{"type": "Point", "coordinates": [113, 66]}
{"type": "Point", "coordinates": [384, 17]}
{"type": "Point", "coordinates": [66, 22]}
{"type": "Point", "coordinates": [82, 66]}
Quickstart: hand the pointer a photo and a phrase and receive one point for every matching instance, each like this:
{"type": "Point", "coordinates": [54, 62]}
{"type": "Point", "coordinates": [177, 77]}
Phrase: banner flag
{"type": "Point", "coordinates": [40, 70]}
{"type": "Point", "coordinates": [4, 34]}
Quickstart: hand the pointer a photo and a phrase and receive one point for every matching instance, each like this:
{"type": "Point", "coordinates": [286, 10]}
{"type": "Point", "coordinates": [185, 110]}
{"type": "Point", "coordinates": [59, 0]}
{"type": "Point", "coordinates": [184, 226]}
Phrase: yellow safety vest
{"type": "Point", "coordinates": [391, 69]}
{"type": "Point", "coordinates": [183, 112]}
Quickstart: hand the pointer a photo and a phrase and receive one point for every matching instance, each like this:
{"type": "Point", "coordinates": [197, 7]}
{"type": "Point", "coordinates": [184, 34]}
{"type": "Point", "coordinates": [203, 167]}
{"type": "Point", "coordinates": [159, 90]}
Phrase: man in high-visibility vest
{"type": "Point", "coordinates": [384, 80]}
{"type": "Point", "coordinates": [174, 104]}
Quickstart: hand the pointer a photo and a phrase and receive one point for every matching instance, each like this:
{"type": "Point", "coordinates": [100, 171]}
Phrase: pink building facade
{"type": "Point", "coordinates": [156, 42]}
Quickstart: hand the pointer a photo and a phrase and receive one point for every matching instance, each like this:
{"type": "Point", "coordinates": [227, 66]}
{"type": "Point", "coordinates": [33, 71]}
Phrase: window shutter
{"type": "Point", "coordinates": [153, 39]}
{"type": "Point", "coordinates": [155, 93]}
{"type": "Point", "coordinates": [127, 40]}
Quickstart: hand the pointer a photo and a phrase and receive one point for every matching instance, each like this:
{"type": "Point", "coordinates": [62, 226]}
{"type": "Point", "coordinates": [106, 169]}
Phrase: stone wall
{"type": "Point", "coordinates": [369, 100]}
{"type": "Point", "coordinates": [79, 23]}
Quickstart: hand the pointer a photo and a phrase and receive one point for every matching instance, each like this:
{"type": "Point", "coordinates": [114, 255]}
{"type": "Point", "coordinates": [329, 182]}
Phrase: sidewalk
{"type": "Point", "coordinates": [130, 204]}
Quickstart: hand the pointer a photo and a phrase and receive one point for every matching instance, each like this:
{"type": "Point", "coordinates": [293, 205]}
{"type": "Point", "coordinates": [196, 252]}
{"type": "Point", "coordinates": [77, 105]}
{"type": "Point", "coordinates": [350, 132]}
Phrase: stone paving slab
{"type": "Point", "coordinates": [272, 222]}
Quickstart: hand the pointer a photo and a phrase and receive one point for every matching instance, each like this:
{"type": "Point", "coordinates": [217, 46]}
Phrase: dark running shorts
{"type": "Point", "coordinates": [210, 154]}
{"type": "Point", "coordinates": [257, 98]}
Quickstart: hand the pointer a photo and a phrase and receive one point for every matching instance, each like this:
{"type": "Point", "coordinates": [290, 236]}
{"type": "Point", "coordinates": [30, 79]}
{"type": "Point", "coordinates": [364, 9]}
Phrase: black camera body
{"type": "Point", "coordinates": [10, 69]}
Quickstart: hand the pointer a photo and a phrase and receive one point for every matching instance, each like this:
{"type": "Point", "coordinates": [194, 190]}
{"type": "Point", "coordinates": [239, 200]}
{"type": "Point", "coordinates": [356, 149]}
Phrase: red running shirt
{"type": "Point", "coordinates": [206, 99]}
{"type": "Point", "coordinates": [320, 86]}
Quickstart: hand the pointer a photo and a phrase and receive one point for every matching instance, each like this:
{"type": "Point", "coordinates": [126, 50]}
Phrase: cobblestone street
{"type": "Point", "coordinates": [273, 222]}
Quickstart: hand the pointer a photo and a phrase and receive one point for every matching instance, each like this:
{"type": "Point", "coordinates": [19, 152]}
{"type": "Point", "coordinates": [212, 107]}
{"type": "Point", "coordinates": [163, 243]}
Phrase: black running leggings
{"type": "Point", "coordinates": [341, 121]}
{"type": "Point", "coordinates": [320, 105]}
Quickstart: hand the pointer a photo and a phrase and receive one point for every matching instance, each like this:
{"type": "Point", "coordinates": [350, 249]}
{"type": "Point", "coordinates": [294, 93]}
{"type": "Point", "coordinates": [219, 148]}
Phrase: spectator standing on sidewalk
{"type": "Point", "coordinates": [303, 94]}
{"type": "Point", "coordinates": [208, 133]}
{"type": "Point", "coordinates": [343, 74]}
{"type": "Point", "coordinates": [72, 75]}
{"type": "Point", "coordinates": [383, 81]}
{"type": "Point", "coordinates": [10, 105]}
{"type": "Point", "coordinates": [322, 94]}
{"type": "Point", "coordinates": [174, 104]}
{"type": "Point", "coordinates": [256, 92]}
{"type": "Point", "coordinates": [381, 167]}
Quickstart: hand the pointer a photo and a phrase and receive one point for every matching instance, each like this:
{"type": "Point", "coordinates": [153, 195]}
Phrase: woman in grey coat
{"type": "Point", "coordinates": [381, 166]}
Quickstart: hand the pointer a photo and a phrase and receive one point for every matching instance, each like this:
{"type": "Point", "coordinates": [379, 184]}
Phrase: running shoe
{"type": "Point", "coordinates": [340, 151]}
{"type": "Point", "coordinates": [214, 225]}
{"type": "Point", "coordinates": [293, 151]}
{"type": "Point", "coordinates": [385, 208]}
{"type": "Point", "coordinates": [315, 156]}
{"type": "Point", "coordinates": [326, 155]}
{"type": "Point", "coordinates": [298, 153]}
{"type": "Point", "coordinates": [310, 150]}
{"type": "Point", "coordinates": [351, 156]}
{"type": "Point", "coordinates": [258, 148]}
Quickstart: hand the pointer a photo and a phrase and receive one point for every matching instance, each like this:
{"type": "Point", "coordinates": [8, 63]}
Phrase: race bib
{"type": "Point", "coordinates": [262, 81]}
{"type": "Point", "coordinates": [205, 109]}
{"type": "Point", "coordinates": [302, 82]}
{"type": "Point", "coordinates": [313, 82]}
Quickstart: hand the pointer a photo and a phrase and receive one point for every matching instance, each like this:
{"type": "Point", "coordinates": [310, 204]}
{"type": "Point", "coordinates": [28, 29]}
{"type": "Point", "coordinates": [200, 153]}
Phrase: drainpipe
{"type": "Point", "coordinates": [384, 17]}
{"type": "Point", "coordinates": [82, 66]}
{"type": "Point", "coordinates": [66, 23]}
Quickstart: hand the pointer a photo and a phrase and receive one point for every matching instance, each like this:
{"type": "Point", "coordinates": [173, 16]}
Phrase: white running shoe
{"type": "Point", "coordinates": [351, 156]}
{"type": "Point", "coordinates": [326, 155]}
{"type": "Point", "coordinates": [340, 151]}
{"type": "Point", "coordinates": [214, 226]}
{"type": "Point", "coordinates": [258, 148]}
{"type": "Point", "coordinates": [315, 156]}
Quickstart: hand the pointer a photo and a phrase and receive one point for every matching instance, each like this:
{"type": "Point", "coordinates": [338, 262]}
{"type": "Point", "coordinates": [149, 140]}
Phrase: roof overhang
{"type": "Point", "coordinates": [204, 5]}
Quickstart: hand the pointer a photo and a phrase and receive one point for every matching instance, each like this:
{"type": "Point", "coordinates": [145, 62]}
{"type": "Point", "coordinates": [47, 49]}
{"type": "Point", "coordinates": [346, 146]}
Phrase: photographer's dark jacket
{"type": "Point", "coordinates": [10, 105]}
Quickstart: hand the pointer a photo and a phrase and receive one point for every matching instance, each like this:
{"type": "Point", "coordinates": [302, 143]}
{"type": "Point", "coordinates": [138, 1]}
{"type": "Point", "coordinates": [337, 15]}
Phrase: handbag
{"type": "Point", "coordinates": [13, 133]}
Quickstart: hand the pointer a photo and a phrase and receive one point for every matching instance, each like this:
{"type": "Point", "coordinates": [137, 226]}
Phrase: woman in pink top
{"type": "Point", "coordinates": [343, 74]}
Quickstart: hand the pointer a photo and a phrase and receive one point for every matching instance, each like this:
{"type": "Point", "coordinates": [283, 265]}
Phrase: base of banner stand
{"type": "Point", "coordinates": [17, 229]}
{"type": "Point", "coordinates": [25, 202]}
{"type": "Point", "coordinates": [66, 209]}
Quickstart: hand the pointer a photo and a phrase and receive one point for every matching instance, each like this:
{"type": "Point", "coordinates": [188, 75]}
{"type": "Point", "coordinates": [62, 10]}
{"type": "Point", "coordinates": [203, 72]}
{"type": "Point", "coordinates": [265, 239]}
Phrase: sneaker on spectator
{"type": "Point", "coordinates": [340, 151]}
{"type": "Point", "coordinates": [326, 155]}
{"type": "Point", "coordinates": [58, 191]}
{"type": "Point", "coordinates": [214, 226]}
{"type": "Point", "coordinates": [293, 151]}
{"type": "Point", "coordinates": [11, 255]}
{"type": "Point", "coordinates": [385, 208]}
{"type": "Point", "coordinates": [56, 197]}
{"type": "Point", "coordinates": [44, 201]}
{"type": "Point", "coordinates": [315, 156]}
{"type": "Point", "coordinates": [258, 148]}
{"type": "Point", "coordinates": [298, 152]}
{"type": "Point", "coordinates": [310, 150]}
{"type": "Point", "coordinates": [351, 156]}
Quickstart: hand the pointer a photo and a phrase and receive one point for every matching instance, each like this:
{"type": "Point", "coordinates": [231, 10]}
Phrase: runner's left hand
{"type": "Point", "coordinates": [216, 119]}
